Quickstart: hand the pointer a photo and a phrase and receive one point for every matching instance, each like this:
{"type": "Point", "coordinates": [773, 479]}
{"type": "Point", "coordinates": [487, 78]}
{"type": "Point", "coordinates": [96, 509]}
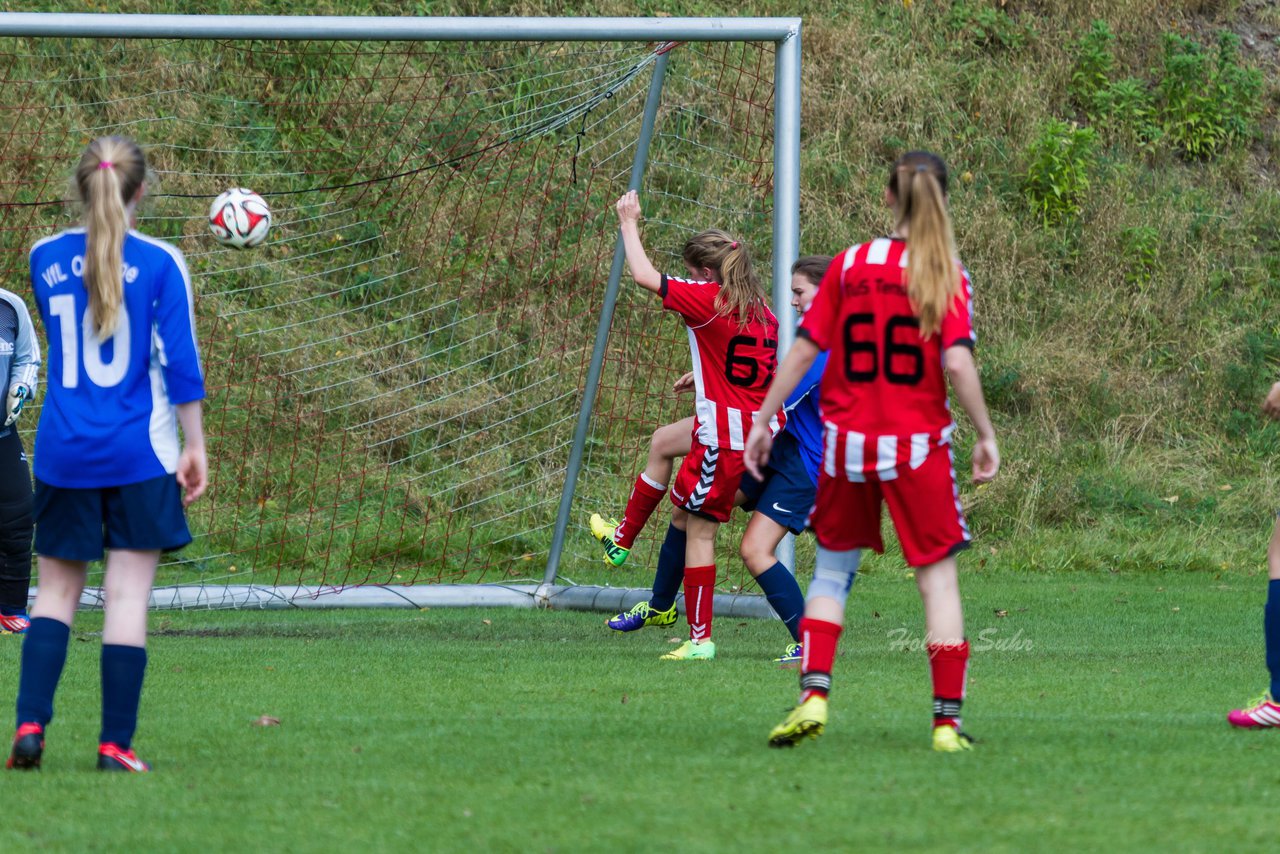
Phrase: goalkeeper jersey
{"type": "Point", "coordinates": [19, 350]}
{"type": "Point", "coordinates": [108, 417]}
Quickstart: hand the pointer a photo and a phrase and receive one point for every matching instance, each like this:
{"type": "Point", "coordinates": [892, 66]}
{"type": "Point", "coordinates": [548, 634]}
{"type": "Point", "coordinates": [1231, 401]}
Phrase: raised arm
{"type": "Point", "coordinates": [642, 269]}
{"type": "Point", "coordinates": [963, 374]}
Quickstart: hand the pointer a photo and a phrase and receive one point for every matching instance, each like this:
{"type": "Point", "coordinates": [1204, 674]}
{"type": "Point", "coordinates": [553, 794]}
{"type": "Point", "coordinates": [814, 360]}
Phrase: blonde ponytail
{"type": "Point", "coordinates": [741, 295]}
{"type": "Point", "coordinates": [919, 183]}
{"type": "Point", "coordinates": [107, 178]}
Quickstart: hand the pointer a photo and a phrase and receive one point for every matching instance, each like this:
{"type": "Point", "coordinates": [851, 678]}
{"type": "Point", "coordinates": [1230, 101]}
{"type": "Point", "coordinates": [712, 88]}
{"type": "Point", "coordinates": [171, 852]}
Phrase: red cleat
{"type": "Point", "coordinates": [28, 747]}
{"type": "Point", "coordinates": [112, 757]}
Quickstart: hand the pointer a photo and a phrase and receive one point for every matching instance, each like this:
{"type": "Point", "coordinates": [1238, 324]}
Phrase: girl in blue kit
{"type": "Point", "coordinates": [123, 373]}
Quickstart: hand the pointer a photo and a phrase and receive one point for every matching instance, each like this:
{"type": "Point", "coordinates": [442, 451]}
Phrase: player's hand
{"type": "Point", "coordinates": [759, 446]}
{"type": "Point", "coordinates": [685, 383]}
{"type": "Point", "coordinates": [629, 207]}
{"type": "Point", "coordinates": [19, 394]}
{"type": "Point", "coordinates": [1271, 405]}
{"type": "Point", "coordinates": [986, 460]}
{"type": "Point", "coordinates": [193, 474]}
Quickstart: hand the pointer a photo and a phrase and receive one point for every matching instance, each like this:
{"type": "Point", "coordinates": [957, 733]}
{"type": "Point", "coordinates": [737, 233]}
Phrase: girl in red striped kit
{"type": "Point", "coordinates": [896, 317]}
{"type": "Point", "coordinates": [733, 336]}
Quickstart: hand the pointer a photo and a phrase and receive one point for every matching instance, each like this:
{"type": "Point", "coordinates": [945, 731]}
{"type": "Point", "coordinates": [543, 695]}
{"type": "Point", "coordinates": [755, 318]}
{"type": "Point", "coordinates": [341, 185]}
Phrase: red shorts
{"type": "Point", "coordinates": [924, 505]}
{"type": "Point", "coordinates": [708, 481]}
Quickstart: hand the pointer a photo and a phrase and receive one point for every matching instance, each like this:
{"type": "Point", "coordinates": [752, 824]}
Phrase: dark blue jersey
{"type": "Point", "coordinates": [804, 418]}
{"type": "Point", "coordinates": [108, 417]}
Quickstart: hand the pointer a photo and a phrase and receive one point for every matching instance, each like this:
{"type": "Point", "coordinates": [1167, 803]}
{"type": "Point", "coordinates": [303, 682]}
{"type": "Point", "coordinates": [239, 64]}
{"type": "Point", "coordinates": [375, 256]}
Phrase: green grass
{"type": "Point", "coordinates": [1099, 709]}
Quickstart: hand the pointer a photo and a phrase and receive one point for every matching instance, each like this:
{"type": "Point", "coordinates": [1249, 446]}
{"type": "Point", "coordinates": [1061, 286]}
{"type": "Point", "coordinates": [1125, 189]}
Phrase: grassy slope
{"type": "Point", "coordinates": [506, 731]}
{"type": "Point", "coordinates": [1127, 415]}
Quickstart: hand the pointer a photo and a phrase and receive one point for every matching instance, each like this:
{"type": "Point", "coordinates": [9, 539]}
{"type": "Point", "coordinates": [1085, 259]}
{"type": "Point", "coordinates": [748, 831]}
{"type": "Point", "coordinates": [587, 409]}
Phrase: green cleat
{"type": "Point", "coordinates": [948, 739]}
{"type": "Point", "coordinates": [602, 529]}
{"type": "Point", "coordinates": [640, 616]}
{"type": "Point", "coordinates": [806, 720]}
{"type": "Point", "coordinates": [793, 655]}
{"type": "Point", "coordinates": [690, 651]}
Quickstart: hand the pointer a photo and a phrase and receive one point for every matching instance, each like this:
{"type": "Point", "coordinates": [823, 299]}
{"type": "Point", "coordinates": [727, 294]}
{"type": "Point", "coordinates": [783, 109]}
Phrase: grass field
{"type": "Point", "coordinates": [1099, 703]}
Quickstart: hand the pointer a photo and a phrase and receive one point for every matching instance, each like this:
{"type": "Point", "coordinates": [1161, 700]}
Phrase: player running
{"type": "Point", "coordinates": [779, 503]}
{"type": "Point", "coordinates": [19, 363]}
{"type": "Point", "coordinates": [1265, 711]}
{"type": "Point", "coordinates": [895, 315]}
{"type": "Point", "coordinates": [110, 473]}
{"type": "Point", "coordinates": [734, 338]}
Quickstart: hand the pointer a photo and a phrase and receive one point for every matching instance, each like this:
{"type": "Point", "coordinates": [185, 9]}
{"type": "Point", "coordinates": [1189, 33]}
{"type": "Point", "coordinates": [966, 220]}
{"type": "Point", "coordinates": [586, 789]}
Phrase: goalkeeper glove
{"type": "Point", "coordinates": [19, 394]}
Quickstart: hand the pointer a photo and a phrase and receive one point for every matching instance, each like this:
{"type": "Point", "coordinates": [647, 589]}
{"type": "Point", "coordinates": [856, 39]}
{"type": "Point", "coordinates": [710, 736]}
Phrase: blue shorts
{"type": "Point", "coordinates": [78, 524]}
{"type": "Point", "coordinates": [787, 494]}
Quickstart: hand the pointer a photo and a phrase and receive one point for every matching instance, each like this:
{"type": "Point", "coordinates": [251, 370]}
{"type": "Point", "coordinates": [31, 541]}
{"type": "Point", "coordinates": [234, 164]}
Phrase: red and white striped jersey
{"type": "Point", "coordinates": [884, 392]}
{"type": "Point", "coordinates": [732, 366]}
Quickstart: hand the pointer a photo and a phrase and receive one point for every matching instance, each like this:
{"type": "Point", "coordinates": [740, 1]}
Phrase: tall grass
{"type": "Point", "coordinates": [1125, 350]}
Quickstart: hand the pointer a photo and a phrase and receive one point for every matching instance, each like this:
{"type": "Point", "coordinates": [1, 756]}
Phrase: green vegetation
{"type": "Point", "coordinates": [1098, 702]}
{"type": "Point", "coordinates": [1058, 171]}
{"type": "Point", "coordinates": [1208, 101]}
{"type": "Point", "coordinates": [1111, 194]}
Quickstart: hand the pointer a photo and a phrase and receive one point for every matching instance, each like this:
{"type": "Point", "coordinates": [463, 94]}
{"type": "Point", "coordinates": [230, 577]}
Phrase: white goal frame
{"type": "Point", "coordinates": [785, 33]}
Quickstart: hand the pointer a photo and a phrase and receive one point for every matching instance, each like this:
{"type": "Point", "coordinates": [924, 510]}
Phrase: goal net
{"type": "Point", "coordinates": [396, 375]}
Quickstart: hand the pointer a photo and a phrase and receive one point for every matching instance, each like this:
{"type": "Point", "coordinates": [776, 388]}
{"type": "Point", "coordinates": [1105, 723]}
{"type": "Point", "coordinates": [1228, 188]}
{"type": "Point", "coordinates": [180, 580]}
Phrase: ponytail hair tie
{"type": "Point", "coordinates": [922, 168]}
{"type": "Point", "coordinates": [733, 245]}
{"type": "Point", "coordinates": [106, 164]}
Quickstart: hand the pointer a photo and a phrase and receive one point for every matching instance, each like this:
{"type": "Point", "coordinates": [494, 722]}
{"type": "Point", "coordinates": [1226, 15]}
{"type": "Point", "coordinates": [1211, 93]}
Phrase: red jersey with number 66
{"type": "Point", "coordinates": [884, 381]}
{"type": "Point", "coordinates": [732, 366]}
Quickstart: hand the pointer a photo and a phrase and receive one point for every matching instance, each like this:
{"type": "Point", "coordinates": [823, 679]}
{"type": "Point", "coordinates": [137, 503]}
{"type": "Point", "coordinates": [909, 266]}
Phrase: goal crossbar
{"type": "Point", "coordinates": [375, 28]}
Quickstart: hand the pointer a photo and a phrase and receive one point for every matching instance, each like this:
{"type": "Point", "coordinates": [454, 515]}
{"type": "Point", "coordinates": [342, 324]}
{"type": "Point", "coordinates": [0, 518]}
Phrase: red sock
{"type": "Point", "coordinates": [949, 665]}
{"type": "Point", "coordinates": [699, 596]}
{"type": "Point", "coordinates": [644, 499]}
{"type": "Point", "coordinates": [819, 638]}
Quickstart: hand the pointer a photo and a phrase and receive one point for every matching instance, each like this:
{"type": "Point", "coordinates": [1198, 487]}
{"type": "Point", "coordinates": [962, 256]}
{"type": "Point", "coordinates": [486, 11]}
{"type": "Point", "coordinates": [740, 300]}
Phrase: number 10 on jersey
{"type": "Point", "coordinates": [78, 338]}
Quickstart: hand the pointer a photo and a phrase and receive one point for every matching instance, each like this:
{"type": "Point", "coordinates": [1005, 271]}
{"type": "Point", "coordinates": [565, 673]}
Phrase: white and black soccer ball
{"type": "Point", "coordinates": [240, 218]}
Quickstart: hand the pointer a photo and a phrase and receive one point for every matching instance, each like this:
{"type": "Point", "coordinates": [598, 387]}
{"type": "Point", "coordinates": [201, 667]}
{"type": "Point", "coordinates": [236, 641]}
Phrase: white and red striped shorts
{"type": "Point", "coordinates": [924, 502]}
{"type": "Point", "coordinates": [708, 481]}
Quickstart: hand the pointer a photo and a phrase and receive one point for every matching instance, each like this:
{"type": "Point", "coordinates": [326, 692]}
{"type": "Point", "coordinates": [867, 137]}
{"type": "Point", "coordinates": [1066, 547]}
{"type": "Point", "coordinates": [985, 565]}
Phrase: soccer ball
{"type": "Point", "coordinates": [240, 218]}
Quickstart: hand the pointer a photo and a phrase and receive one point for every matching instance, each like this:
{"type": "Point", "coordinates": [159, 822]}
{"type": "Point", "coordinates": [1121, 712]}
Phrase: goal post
{"type": "Point", "coordinates": [406, 381]}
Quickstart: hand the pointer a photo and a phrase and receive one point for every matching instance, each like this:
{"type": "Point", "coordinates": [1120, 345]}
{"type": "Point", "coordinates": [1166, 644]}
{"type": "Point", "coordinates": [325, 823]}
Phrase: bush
{"type": "Point", "coordinates": [1207, 101]}
{"type": "Point", "coordinates": [1094, 64]}
{"type": "Point", "coordinates": [1057, 173]}
{"type": "Point", "coordinates": [986, 27]}
{"type": "Point", "coordinates": [1141, 248]}
{"type": "Point", "coordinates": [1126, 111]}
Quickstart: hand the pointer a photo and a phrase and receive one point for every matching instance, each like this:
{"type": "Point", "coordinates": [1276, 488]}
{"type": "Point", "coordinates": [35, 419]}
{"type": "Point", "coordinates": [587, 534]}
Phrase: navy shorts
{"type": "Point", "coordinates": [78, 524]}
{"type": "Point", "coordinates": [787, 494]}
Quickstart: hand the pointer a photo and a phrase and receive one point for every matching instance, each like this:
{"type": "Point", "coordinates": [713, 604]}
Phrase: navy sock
{"type": "Point", "coordinates": [44, 651]}
{"type": "Point", "coordinates": [1271, 630]}
{"type": "Point", "coordinates": [122, 671]}
{"type": "Point", "coordinates": [670, 574]}
{"type": "Point", "coordinates": [784, 596]}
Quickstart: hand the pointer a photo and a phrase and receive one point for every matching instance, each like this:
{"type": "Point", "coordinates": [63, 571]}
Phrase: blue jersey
{"type": "Point", "coordinates": [804, 419]}
{"type": "Point", "coordinates": [108, 417]}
